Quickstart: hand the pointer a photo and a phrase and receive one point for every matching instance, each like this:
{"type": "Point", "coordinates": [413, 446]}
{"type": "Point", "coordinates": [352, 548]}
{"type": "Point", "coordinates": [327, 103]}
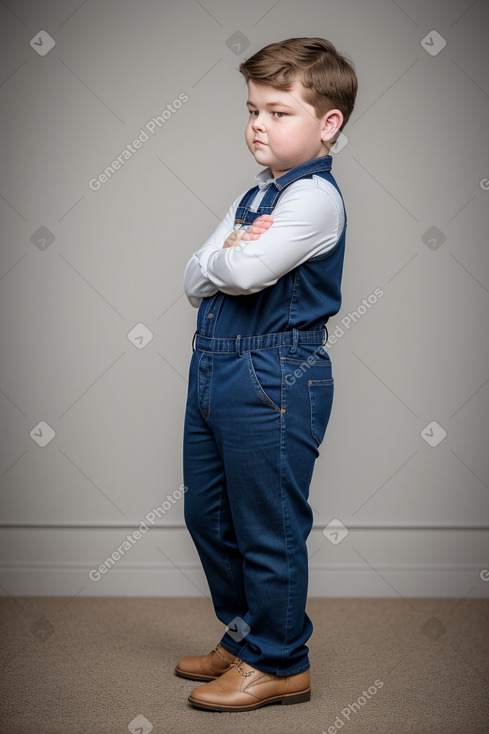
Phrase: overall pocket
{"type": "Point", "coordinates": [266, 376]}
{"type": "Point", "coordinates": [320, 402]}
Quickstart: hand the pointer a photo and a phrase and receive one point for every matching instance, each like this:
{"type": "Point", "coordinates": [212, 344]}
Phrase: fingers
{"type": "Point", "coordinates": [259, 226]}
{"type": "Point", "coordinates": [234, 239]}
{"type": "Point", "coordinates": [262, 222]}
{"type": "Point", "coordinates": [247, 236]}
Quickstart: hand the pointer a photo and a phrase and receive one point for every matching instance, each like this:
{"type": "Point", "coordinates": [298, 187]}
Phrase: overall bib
{"type": "Point", "coordinates": [259, 400]}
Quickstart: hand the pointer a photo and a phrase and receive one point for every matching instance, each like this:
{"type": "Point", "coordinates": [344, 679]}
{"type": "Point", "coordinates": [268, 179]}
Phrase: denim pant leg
{"type": "Point", "coordinates": [261, 420]}
{"type": "Point", "coordinates": [206, 504]}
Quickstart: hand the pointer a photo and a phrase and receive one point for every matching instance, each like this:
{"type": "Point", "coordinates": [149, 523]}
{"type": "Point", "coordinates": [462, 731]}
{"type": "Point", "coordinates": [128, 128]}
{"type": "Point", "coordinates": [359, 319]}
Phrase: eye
{"type": "Point", "coordinates": [253, 112]}
{"type": "Point", "coordinates": [280, 114]}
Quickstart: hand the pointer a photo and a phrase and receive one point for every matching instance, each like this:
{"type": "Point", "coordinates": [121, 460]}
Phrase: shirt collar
{"type": "Point", "coordinates": [264, 178]}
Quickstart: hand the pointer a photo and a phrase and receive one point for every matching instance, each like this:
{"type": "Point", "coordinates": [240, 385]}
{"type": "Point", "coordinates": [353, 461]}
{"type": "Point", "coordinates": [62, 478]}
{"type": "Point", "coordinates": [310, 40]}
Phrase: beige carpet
{"type": "Point", "coordinates": [105, 666]}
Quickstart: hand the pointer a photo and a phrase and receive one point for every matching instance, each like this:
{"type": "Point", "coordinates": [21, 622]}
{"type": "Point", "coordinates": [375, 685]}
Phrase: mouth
{"type": "Point", "coordinates": [258, 142]}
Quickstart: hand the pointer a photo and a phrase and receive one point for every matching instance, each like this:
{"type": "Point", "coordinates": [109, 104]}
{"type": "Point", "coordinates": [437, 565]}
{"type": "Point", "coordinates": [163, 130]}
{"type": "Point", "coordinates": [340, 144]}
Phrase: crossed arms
{"type": "Point", "coordinates": [307, 221]}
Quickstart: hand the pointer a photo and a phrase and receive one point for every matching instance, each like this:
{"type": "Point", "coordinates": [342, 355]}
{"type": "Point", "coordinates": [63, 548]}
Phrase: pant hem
{"type": "Point", "coordinates": [235, 651]}
{"type": "Point", "coordinates": [274, 671]}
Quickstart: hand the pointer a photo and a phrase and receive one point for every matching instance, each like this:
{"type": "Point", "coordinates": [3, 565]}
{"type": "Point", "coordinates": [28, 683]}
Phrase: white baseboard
{"type": "Point", "coordinates": [380, 562]}
{"type": "Point", "coordinates": [165, 581]}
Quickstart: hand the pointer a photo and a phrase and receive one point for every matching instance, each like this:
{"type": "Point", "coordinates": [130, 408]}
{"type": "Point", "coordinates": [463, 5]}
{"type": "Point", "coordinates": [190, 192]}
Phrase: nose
{"type": "Point", "coordinates": [258, 122]}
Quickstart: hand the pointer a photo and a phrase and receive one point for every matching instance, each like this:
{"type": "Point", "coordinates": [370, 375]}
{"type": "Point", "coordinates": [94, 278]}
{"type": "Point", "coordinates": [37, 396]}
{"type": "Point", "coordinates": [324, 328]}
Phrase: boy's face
{"type": "Point", "coordinates": [283, 130]}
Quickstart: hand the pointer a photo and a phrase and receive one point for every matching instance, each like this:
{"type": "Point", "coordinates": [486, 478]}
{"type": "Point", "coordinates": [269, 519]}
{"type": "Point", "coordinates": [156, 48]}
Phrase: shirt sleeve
{"type": "Point", "coordinates": [307, 222]}
{"type": "Point", "coordinates": [196, 282]}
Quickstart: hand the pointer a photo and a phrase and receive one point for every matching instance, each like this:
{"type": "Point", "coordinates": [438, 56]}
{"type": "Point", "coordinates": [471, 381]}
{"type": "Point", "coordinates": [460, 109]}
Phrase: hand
{"type": "Point", "coordinates": [254, 232]}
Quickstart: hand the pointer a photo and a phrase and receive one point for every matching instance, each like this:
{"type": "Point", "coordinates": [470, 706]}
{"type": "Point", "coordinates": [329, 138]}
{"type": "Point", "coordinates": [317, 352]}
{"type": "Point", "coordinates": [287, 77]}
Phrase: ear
{"type": "Point", "coordinates": [332, 121]}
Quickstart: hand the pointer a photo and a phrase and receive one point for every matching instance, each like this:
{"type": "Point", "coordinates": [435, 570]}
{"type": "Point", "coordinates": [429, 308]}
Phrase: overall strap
{"type": "Point", "coordinates": [244, 205]}
{"type": "Point", "coordinates": [306, 170]}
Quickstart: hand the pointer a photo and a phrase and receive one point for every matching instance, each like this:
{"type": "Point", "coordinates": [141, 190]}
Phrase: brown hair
{"type": "Point", "coordinates": [328, 78]}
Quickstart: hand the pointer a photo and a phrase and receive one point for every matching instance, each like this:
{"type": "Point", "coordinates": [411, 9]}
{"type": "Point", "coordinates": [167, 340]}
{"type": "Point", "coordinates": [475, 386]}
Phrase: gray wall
{"type": "Point", "coordinates": [83, 265]}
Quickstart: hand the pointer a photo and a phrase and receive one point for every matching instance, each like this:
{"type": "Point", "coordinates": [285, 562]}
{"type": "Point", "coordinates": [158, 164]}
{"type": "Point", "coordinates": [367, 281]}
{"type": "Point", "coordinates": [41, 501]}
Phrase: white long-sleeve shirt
{"type": "Point", "coordinates": [307, 221]}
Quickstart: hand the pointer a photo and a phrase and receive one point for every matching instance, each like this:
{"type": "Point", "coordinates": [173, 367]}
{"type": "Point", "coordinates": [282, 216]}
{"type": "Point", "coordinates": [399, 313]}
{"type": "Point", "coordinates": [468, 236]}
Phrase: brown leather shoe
{"type": "Point", "coordinates": [244, 688]}
{"type": "Point", "coordinates": [206, 667]}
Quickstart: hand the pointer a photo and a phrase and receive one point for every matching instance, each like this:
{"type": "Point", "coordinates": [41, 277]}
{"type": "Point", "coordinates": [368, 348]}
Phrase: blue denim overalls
{"type": "Point", "coordinates": [259, 400]}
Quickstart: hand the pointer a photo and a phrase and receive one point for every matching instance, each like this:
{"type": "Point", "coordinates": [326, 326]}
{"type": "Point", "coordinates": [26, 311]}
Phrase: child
{"type": "Point", "coordinates": [260, 382]}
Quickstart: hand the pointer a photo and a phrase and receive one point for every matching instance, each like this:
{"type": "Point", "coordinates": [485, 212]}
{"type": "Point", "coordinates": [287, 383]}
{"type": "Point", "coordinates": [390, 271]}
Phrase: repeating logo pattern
{"type": "Point", "coordinates": [121, 150]}
{"type": "Point", "coordinates": [118, 162]}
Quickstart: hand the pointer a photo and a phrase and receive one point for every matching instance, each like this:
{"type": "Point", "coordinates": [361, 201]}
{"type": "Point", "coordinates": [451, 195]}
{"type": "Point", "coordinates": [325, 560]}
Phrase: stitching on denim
{"type": "Point", "coordinates": [264, 397]}
{"type": "Point", "coordinates": [312, 403]}
{"type": "Point", "coordinates": [221, 544]}
{"type": "Point", "coordinates": [282, 452]}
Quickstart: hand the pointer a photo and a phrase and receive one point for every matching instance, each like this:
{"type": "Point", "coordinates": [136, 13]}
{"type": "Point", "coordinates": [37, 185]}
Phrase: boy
{"type": "Point", "coordinates": [260, 383]}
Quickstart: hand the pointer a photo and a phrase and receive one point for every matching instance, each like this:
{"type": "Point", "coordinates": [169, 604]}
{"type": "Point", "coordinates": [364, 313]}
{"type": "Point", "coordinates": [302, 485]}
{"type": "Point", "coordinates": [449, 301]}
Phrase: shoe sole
{"type": "Point", "coordinates": [288, 699]}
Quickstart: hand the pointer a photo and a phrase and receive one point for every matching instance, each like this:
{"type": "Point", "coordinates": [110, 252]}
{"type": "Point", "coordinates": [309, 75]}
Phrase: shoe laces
{"type": "Point", "coordinates": [237, 663]}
